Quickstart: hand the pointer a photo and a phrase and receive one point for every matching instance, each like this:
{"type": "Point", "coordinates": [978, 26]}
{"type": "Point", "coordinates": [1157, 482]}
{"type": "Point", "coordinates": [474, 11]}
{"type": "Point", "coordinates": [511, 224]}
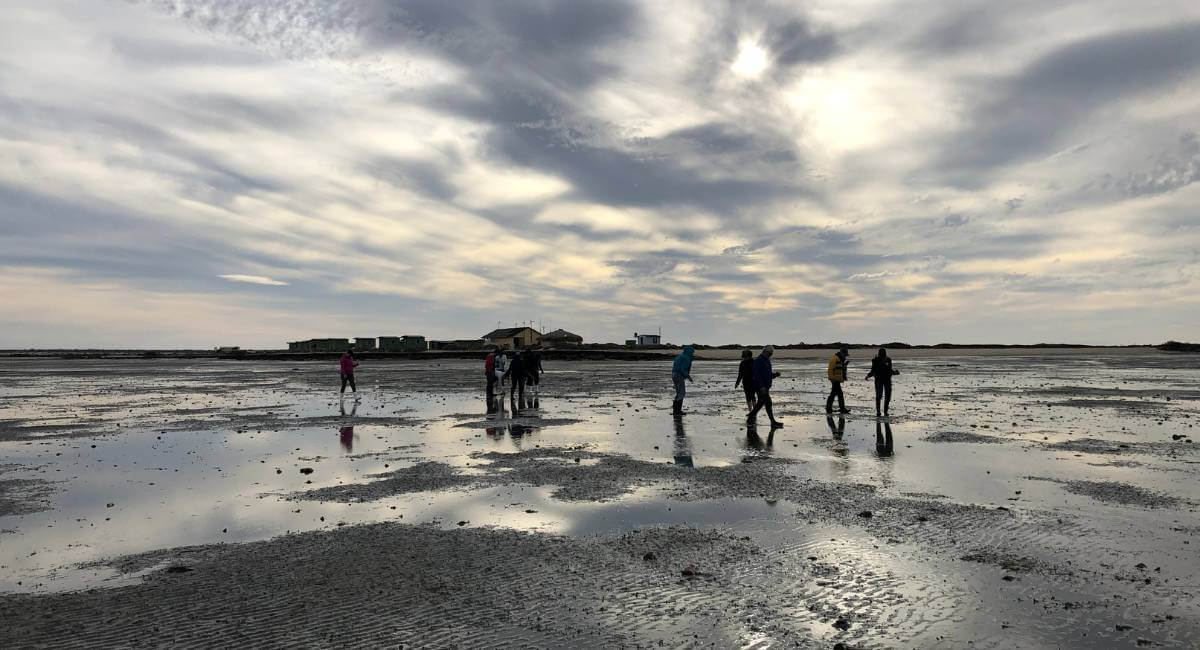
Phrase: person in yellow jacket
{"type": "Point", "coordinates": [837, 374]}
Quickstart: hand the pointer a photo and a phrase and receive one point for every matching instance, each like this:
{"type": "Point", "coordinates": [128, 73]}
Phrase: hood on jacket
{"type": "Point", "coordinates": [683, 362]}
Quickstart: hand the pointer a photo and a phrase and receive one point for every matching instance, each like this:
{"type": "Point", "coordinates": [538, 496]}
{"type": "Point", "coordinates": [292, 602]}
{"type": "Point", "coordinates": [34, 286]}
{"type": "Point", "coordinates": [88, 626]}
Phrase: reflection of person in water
{"type": "Point", "coordinates": [683, 445]}
{"type": "Point", "coordinates": [881, 370]}
{"type": "Point", "coordinates": [755, 441]}
{"type": "Point", "coordinates": [837, 430]}
{"type": "Point", "coordinates": [346, 432]}
{"type": "Point", "coordinates": [883, 442]}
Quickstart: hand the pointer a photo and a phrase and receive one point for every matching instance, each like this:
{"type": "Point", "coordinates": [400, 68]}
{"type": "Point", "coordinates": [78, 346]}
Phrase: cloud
{"type": "Point", "coordinates": [877, 174]}
{"type": "Point", "coordinates": [861, 277]}
{"type": "Point", "coordinates": [253, 279]}
{"type": "Point", "coordinates": [1031, 112]}
{"type": "Point", "coordinates": [1172, 170]}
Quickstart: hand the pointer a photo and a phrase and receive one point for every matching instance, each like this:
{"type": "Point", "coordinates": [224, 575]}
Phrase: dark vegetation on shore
{"type": "Point", "coordinates": [1176, 346]}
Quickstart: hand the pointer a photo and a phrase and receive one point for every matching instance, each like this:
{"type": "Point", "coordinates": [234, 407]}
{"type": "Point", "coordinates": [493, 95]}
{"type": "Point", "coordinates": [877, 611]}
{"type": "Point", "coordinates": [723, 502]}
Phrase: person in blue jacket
{"type": "Point", "coordinates": [681, 371]}
{"type": "Point", "coordinates": [764, 375]}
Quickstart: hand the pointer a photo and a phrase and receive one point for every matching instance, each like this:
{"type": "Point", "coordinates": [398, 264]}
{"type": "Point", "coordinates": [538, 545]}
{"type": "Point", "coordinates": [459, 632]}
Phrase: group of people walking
{"type": "Point", "coordinates": [756, 375]}
{"type": "Point", "coordinates": [520, 369]}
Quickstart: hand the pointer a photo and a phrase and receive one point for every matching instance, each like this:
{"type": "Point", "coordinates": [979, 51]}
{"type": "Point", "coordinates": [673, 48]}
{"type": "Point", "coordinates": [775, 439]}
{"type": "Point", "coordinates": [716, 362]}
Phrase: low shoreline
{"type": "Point", "coordinates": [586, 354]}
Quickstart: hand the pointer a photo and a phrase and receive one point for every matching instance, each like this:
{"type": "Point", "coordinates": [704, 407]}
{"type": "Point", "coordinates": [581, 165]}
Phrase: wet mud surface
{"type": "Point", "coordinates": [192, 503]}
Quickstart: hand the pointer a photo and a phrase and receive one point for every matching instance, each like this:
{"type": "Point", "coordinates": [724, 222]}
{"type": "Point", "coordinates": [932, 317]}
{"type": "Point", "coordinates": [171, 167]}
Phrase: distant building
{"type": "Point", "coordinates": [414, 343]}
{"type": "Point", "coordinates": [458, 344]}
{"type": "Point", "coordinates": [227, 348]}
{"type": "Point", "coordinates": [390, 344]}
{"type": "Point", "coordinates": [648, 339]}
{"type": "Point", "coordinates": [319, 345]}
{"type": "Point", "coordinates": [513, 337]}
{"type": "Point", "coordinates": [561, 337]}
{"type": "Point", "coordinates": [406, 343]}
{"type": "Point", "coordinates": [364, 344]}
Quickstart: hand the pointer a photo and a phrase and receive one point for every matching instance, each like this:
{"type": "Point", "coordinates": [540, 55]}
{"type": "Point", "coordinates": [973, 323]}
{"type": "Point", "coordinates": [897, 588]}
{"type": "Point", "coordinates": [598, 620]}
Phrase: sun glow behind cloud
{"type": "Point", "coordinates": [752, 60]}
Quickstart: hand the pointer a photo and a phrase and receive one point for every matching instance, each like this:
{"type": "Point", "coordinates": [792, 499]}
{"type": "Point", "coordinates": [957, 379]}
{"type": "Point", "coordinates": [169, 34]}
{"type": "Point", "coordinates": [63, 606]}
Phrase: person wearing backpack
{"type": "Point", "coordinates": [764, 376]}
{"type": "Point", "coordinates": [881, 370]}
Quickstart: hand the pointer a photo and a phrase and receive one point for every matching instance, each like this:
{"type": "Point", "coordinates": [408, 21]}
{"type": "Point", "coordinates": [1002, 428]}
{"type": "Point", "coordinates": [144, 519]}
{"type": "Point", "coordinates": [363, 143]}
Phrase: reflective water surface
{"type": "Point", "coordinates": [146, 455]}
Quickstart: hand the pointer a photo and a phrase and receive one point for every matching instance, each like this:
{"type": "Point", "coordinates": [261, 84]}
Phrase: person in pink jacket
{"type": "Point", "coordinates": [346, 365]}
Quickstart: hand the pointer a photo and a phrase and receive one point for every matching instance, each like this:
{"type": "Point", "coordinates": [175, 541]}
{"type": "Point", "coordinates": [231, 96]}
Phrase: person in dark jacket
{"type": "Point", "coordinates": [681, 371]}
{"type": "Point", "coordinates": [533, 370]}
{"type": "Point", "coordinates": [746, 378]}
{"type": "Point", "coordinates": [881, 370]}
{"type": "Point", "coordinates": [516, 375]}
{"type": "Point", "coordinates": [763, 376]}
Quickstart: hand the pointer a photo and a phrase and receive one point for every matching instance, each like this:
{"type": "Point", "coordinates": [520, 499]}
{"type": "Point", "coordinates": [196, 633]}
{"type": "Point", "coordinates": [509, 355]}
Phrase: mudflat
{"type": "Point", "coordinates": [1015, 499]}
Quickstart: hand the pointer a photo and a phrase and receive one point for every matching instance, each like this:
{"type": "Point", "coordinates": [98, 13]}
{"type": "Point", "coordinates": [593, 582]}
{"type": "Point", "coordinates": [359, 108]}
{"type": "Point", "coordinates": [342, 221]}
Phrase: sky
{"type": "Point", "coordinates": [195, 173]}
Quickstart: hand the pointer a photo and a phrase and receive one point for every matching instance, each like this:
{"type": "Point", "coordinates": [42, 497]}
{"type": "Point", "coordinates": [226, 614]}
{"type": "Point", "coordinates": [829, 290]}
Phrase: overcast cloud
{"type": "Point", "coordinates": [246, 172]}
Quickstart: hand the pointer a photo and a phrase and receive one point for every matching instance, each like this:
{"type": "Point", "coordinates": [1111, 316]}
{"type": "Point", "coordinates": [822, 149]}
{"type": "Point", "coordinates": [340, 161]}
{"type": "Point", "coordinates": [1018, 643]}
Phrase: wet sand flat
{"type": "Point", "coordinates": [1014, 499]}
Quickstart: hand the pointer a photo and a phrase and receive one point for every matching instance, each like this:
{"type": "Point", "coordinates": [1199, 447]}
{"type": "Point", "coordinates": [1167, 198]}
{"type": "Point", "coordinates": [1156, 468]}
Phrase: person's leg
{"type": "Point", "coordinates": [750, 399]}
{"type": "Point", "coordinates": [837, 387]}
{"type": "Point", "coordinates": [680, 391]}
{"type": "Point", "coordinates": [758, 404]}
{"type": "Point", "coordinates": [878, 393]}
{"type": "Point", "coordinates": [343, 384]}
{"type": "Point", "coordinates": [833, 389]}
{"type": "Point", "coordinates": [887, 397]}
{"type": "Point", "coordinates": [353, 388]}
{"type": "Point", "coordinates": [766, 397]}
{"type": "Point", "coordinates": [491, 391]}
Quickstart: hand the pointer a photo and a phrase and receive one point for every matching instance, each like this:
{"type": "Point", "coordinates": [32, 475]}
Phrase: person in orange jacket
{"type": "Point", "coordinates": [837, 375]}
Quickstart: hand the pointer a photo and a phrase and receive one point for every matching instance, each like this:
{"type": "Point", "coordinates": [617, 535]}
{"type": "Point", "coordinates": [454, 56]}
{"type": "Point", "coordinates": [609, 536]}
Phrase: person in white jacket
{"type": "Point", "coordinates": [501, 366]}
